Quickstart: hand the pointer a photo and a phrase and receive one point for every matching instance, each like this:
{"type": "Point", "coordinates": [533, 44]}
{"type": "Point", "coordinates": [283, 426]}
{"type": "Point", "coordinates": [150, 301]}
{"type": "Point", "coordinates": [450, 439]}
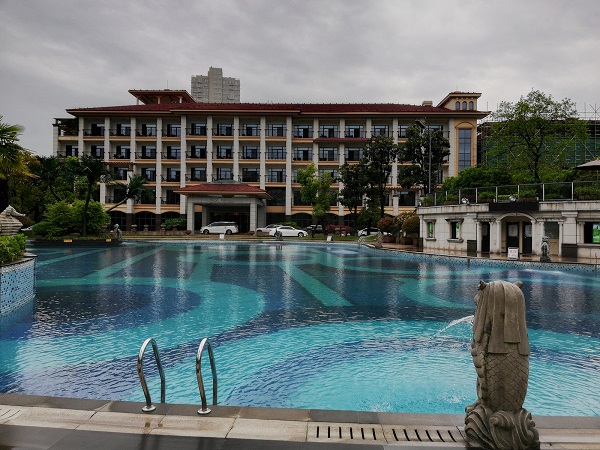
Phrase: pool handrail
{"type": "Point", "coordinates": [149, 406]}
{"type": "Point", "coordinates": [205, 343]}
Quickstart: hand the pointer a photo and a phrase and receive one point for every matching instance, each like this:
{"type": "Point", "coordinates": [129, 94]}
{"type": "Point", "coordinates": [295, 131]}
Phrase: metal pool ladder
{"type": "Point", "coordinates": [149, 406]}
{"type": "Point", "coordinates": [205, 343]}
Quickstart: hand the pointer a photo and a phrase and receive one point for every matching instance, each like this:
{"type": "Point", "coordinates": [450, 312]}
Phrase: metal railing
{"type": "Point", "coordinates": [149, 406]}
{"type": "Point", "coordinates": [532, 193]}
{"type": "Point", "coordinates": [205, 343]}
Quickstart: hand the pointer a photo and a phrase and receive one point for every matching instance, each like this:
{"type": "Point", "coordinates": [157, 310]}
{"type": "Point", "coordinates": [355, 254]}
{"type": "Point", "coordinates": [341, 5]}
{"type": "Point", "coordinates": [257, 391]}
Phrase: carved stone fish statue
{"type": "Point", "coordinates": [500, 351]}
{"type": "Point", "coordinates": [9, 226]}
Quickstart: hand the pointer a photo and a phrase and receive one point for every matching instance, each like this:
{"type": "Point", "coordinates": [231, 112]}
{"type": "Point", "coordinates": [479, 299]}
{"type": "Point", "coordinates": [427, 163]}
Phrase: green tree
{"type": "Point", "coordinates": [477, 176]}
{"type": "Point", "coordinates": [135, 188]}
{"type": "Point", "coordinates": [355, 187]}
{"type": "Point", "coordinates": [316, 190]}
{"type": "Point", "coordinates": [12, 158]}
{"type": "Point", "coordinates": [378, 155]}
{"type": "Point", "coordinates": [48, 171]}
{"type": "Point", "coordinates": [91, 170]}
{"type": "Point", "coordinates": [416, 150]}
{"type": "Point", "coordinates": [528, 138]}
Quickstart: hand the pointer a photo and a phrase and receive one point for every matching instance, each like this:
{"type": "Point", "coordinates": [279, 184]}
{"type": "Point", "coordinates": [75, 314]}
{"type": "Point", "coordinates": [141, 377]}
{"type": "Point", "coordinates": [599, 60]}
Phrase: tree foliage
{"type": "Point", "coordinates": [316, 190]}
{"type": "Point", "coordinates": [355, 187]}
{"type": "Point", "coordinates": [12, 158]}
{"type": "Point", "coordinates": [135, 188]}
{"type": "Point", "coordinates": [378, 155]}
{"type": "Point", "coordinates": [63, 218]}
{"type": "Point", "coordinates": [416, 151]}
{"type": "Point", "coordinates": [479, 176]}
{"type": "Point", "coordinates": [530, 138]}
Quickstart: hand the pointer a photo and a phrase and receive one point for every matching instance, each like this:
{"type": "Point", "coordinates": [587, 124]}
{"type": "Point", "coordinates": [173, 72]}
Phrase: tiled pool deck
{"type": "Point", "coordinates": [58, 423]}
{"type": "Point", "coordinates": [37, 422]}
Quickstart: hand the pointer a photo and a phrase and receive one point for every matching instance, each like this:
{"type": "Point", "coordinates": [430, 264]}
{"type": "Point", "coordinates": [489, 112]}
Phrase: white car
{"type": "Point", "coordinates": [267, 228]}
{"type": "Point", "coordinates": [220, 228]}
{"type": "Point", "coordinates": [288, 231]}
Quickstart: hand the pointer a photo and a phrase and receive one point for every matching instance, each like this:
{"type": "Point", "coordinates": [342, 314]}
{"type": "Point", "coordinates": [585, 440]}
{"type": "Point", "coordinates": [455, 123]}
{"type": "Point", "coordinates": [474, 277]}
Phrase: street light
{"type": "Point", "coordinates": [422, 126]}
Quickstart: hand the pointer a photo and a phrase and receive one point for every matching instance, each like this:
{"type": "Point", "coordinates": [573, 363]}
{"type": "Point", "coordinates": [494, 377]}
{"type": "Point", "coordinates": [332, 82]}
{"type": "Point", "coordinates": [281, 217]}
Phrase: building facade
{"type": "Point", "coordinates": [215, 88]}
{"type": "Point", "coordinates": [176, 142]}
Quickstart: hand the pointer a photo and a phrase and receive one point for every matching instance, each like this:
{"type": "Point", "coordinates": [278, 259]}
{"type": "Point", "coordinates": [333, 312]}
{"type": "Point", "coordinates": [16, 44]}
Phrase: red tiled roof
{"type": "Point", "coordinates": [224, 189]}
{"type": "Point", "coordinates": [293, 108]}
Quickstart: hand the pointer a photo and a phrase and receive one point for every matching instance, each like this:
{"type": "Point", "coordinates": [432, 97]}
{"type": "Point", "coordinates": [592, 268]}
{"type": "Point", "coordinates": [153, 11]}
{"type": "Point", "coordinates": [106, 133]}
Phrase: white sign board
{"type": "Point", "coordinates": [513, 253]}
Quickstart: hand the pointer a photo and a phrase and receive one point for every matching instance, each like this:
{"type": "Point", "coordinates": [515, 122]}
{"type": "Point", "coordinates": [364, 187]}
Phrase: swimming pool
{"type": "Point", "coordinates": [302, 326]}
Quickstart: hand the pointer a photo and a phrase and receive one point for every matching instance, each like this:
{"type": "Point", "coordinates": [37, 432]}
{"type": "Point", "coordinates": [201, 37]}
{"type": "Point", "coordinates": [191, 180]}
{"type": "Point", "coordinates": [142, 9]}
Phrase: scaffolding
{"type": "Point", "coordinates": [578, 151]}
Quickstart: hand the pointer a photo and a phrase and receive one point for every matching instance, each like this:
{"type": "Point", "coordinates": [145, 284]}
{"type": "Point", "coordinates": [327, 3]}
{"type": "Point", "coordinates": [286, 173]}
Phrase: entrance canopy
{"type": "Point", "coordinates": [232, 196]}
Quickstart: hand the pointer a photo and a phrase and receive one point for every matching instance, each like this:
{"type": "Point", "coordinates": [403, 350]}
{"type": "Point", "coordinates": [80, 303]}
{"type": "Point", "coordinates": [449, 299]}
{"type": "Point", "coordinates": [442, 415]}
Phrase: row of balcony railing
{"type": "Point", "coordinates": [228, 131]}
{"type": "Point", "coordinates": [331, 156]}
{"type": "Point", "coordinates": [253, 177]}
{"type": "Point", "coordinates": [528, 193]}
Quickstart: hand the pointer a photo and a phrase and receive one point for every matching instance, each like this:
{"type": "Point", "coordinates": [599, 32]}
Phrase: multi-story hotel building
{"type": "Point", "coordinates": [224, 161]}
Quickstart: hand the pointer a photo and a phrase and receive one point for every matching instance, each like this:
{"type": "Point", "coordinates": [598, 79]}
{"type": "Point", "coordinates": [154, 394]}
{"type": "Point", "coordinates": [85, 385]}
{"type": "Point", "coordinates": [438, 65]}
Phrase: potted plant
{"type": "Point", "coordinates": [411, 228]}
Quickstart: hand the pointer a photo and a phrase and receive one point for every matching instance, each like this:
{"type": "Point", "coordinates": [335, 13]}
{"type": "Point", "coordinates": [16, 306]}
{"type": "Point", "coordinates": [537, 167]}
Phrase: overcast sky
{"type": "Point", "coordinates": [59, 54]}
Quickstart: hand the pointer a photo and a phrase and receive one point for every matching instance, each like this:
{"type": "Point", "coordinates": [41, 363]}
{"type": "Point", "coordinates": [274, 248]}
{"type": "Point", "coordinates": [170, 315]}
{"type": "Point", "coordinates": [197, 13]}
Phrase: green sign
{"type": "Point", "coordinates": [596, 233]}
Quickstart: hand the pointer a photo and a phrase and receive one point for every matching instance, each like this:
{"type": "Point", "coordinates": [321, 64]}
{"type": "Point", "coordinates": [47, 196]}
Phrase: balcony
{"type": "Point", "coordinates": [196, 154]}
{"type": "Point", "coordinates": [124, 155]}
{"type": "Point", "coordinates": [121, 132]}
{"type": "Point", "coordinates": [223, 130]}
{"type": "Point", "coordinates": [201, 176]}
{"type": "Point", "coordinates": [171, 178]}
{"type": "Point", "coordinates": [250, 131]}
{"type": "Point", "coordinates": [175, 200]}
{"type": "Point", "coordinates": [198, 130]}
{"type": "Point", "coordinates": [93, 132]}
{"type": "Point", "coordinates": [174, 132]}
{"type": "Point", "coordinates": [250, 177]}
{"type": "Point", "coordinates": [146, 132]}
{"type": "Point", "coordinates": [146, 155]}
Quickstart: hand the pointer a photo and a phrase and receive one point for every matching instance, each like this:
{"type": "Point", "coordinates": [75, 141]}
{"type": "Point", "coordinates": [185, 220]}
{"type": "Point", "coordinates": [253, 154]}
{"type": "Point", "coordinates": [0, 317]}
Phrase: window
{"type": "Point", "coordinates": [430, 230]}
{"type": "Point", "coordinates": [302, 154]}
{"type": "Point", "coordinates": [198, 129]}
{"type": "Point", "coordinates": [173, 152]}
{"type": "Point", "coordinates": [123, 129]}
{"type": "Point", "coordinates": [457, 105]}
{"type": "Point", "coordinates": [454, 229]}
{"type": "Point", "coordinates": [355, 131]}
{"type": "Point", "coordinates": [328, 154]}
{"type": "Point", "coordinates": [380, 130]}
{"type": "Point", "coordinates": [276, 176]}
{"type": "Point", "coordinates": [173, 130]}
{"type": "Point", "coordinates": [298, 199]}
{"type": "Point", "coordinates": [354, 154]}
{"type": "Point", "coordinates": [173, 175]}
{"type": "Point", "coordinates": [250, 130]}
{"type": "Point", "coordinates": [72, 150]}
{"type": "Point", "coordinates": [120, 173]}
{"type": "Point", "coordinates": [591, 232]}
{"type": "Point", "coordinates": [407, 198]}
{"type": "Point", "coordinates": [122, 151]}
{"type": "Point", "coordinates": [224, 129]}
{"type": "Point", "coordinates": [303, 131]}
{"type": "Point", "coordinates": [224, 173]}
{"type": "Point", "coordinates": [148, 152]}
{"type": "Point", "coordinates": [148, 129]}
{"type": "Point", "coordinates": [197, 151]}
{"type": "Point", "coordinates": [198, 174]}
{"type": "Point", "coordinates": [464, 149]}
{"type": "Point", "coordinates": [276, 129]}
{"type": "Point", "coordinates": [97, 129]}
{"type": "Point", "coordinates": [402, 131]}
{"type": "Point", "coordinates": [464, 105]}
{"type": "Point", "coordinates": [250, 175]}
{"type": "Point", "coordinates": [334, 173]}
{"type": "Point", "coordinates": [97, 151]}
{"type": "Point", "coordinates": [328, 131]}
{"type": "Point", "coordinates": [276, 153]}
{"type": "Point", "coordinates": [149, 173]}
{"type": "Point", "coordinates": [224, 152]}
{"type": "Point", "coordinates": [278, 195]}
{"type": "Point", "coordinates": [471, 106]}
{"type": "Point", "coordinates": [172, 198]}
{"type": "Point", "coordinates": [250, 152]}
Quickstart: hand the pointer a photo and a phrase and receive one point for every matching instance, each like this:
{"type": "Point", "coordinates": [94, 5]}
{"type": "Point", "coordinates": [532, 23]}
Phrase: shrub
{"type": "Point", "coordinates": [411, 225]}
{"type": "Point", "coordinates": [12, 247]}
{"type": "Point", "coordinates": [63, 218]}
{"type": "Point", "coordinates": [178, 222]}
{"type": "Point", "coordinates": [332, 229]}
{"type": "Point", "coordinates": [386, 224]}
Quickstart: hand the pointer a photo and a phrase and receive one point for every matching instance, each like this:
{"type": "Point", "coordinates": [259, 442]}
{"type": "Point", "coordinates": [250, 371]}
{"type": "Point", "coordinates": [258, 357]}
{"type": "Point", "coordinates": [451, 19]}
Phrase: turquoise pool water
{"type": "Point", "coordinates": [302, 326]}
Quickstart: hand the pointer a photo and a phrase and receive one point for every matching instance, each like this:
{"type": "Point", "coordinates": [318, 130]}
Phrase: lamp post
{"type": "Point", "coordinates": [422, 126]}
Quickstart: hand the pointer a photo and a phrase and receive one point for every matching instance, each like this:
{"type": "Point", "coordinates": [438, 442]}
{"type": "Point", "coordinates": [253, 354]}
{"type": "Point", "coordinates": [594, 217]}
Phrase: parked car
{"type": "Point", "coordinates": [288, 231]}
{"type": "Point", "coordinates": [314, 229]}
{"type": "Point", "coordinates": [368, 231]}
{"type": "Point", "coordinates": [267, 228]}
{"type": "Point", "coordinates": [220, 228]}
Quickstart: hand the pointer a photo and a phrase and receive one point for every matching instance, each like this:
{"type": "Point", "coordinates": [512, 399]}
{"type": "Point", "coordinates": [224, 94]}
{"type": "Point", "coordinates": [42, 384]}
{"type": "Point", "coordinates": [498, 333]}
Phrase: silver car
{"type": "Point", "coordinates": [287, 231]}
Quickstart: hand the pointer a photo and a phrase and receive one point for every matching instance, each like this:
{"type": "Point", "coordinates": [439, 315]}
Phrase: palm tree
{"type": "Point", "coordinates": [135, 188]}
{"type": "Point", "coordinates": [47, 170]}
{"type": "Point", "coordinates": [12, 158]}
{"type": "Point", "coordinates": [92, 170]}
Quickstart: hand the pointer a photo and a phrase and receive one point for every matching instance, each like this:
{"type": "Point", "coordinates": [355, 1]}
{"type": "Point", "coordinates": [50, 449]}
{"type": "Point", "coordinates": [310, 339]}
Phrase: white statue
{"type": "Point", "coordinates": [9, 226]}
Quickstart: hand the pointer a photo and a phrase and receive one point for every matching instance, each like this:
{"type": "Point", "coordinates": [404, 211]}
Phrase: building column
{"type": "Point", "coordinates": [190, 214]}
{"type": "Point", "coordinates": [560, 236]}
{"type": "Point", "coordinates": [537, 232]}
{"type": "Point", "coordinates": [496, 233]}
{"type": "Point", "coordinates": [479, 234]}
{"type": "Point", "coordinates": [253, 214]}
{"type": "Point", "coordinates": [209, 149]}
{"type": "Point", "coordinates": [236, 149]}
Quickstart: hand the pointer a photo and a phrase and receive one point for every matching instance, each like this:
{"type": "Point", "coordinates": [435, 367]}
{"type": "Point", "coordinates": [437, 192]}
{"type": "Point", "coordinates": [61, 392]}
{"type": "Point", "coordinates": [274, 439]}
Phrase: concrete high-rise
{"type": "Point", "coordinates": [215, 88]}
